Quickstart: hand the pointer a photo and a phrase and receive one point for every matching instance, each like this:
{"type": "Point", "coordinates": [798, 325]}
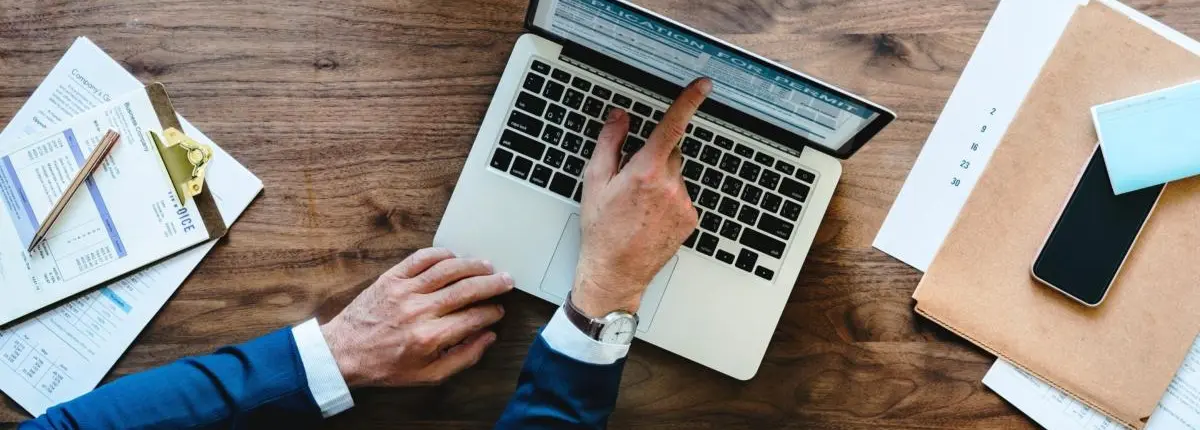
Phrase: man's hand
{"type": "Point", "coordinates": [634, 218]}
{"type": "Point", "coordinates": [420, 323]}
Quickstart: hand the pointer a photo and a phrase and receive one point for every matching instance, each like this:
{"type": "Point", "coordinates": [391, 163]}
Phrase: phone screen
{"type": "Point", "coordinates": [1095, 232]}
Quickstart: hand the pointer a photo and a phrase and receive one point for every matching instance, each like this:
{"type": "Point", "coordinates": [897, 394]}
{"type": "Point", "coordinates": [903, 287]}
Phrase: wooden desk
{"type": "Point", "coordinates": [358, 118]}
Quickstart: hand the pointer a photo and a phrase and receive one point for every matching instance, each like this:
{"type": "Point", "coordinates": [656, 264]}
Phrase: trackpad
{"type": "Point", "coordinates": [560, 276]}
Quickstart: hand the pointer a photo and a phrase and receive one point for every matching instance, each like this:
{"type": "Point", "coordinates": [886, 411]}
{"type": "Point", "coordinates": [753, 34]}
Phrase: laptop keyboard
{"type": "Point", "coordinates": [748, 202]}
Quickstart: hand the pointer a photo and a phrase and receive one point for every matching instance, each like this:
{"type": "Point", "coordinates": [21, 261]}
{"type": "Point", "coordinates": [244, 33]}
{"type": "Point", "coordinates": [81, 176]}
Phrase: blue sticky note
{"type": "Point", "coordinates": [1150, 139]}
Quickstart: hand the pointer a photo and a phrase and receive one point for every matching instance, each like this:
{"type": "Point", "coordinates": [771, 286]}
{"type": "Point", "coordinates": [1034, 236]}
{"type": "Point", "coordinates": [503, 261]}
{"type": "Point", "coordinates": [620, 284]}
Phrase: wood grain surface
{"type": "Point", "coordinates": [358, 116]}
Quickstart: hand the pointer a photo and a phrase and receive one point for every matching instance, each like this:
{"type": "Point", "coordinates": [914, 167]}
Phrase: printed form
{"type": "Point", "coordinates": [1009, 57]}
{"type": "Point", "coordinates": [126, 217]}
{"type": "Point", "coordinates": [64, 352]}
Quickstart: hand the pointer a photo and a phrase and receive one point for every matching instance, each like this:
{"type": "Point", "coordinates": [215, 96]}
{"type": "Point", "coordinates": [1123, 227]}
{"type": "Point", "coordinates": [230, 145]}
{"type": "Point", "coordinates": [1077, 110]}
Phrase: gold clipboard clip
{"type": "Point", "coordinates": [186, 161]}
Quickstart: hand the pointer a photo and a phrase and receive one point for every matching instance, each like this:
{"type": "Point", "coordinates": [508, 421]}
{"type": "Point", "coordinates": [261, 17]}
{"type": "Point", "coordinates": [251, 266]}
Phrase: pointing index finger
{"type": "Point", "coordinates": [671, 129]}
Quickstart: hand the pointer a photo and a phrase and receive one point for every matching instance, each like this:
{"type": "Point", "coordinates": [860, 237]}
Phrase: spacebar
{"type": "Point", "coordinates": [762, 243]}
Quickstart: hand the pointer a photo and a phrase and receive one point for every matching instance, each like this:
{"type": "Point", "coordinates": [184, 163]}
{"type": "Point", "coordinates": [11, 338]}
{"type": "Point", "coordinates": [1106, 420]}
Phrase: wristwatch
{"type": "Point", "coordinates": [618, 327]}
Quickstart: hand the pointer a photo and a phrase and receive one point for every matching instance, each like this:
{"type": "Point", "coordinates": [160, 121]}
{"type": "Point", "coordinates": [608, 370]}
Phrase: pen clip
{"type": "Point", "coordinates": [186, 161]}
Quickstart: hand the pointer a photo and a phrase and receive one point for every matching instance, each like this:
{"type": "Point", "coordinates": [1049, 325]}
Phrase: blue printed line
{"type": "Point", "coordinates": [16, 199]}
{"type": "Point", "coordinates": [107, 292]}
{"type": "Point", "coordinates": [105, 216]}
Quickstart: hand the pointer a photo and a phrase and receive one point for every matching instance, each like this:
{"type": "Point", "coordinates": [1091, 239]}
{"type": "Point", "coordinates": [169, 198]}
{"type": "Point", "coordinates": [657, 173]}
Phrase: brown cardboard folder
{"type": "Point", "coordinates": [1119, 357]}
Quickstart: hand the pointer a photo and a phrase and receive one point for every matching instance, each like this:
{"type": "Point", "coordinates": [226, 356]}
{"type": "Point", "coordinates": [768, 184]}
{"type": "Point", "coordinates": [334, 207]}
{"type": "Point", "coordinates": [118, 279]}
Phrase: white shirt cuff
{"type": "Point", "coordinates": [325, 380]}
{"type": "Point", "coordinates": [564, 337]}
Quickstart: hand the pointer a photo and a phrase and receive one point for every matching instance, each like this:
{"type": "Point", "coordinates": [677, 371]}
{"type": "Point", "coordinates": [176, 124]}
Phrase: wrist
{"type": "Point", "coordinates": [346, 362]}
{"type": "Point", "coordinates": [596, 300]}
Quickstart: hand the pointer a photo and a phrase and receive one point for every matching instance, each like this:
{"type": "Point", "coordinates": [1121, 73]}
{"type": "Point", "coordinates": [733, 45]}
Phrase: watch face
{"type": "Point", "coordinates": [619, 331]}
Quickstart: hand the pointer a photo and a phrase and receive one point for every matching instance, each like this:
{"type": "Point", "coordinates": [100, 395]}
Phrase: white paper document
{"type": "Point", "coordinates": [1009, 57]}
{"type": "Point", "coordinates": [65, 352]}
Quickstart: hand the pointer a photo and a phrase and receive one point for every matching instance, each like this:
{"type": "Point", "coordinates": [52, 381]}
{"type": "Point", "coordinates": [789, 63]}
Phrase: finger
{"type": "Point", "coordinates": [461, 356]}
{"type": "Point", "coordinates": [675, 162]}
{"type": "Point", "coordinates": [605, 160]}
{"type": "Point", "coordinates": [453, 328]}
{"type": "Point", "coordinates": [447, 272]}
{"type": "Point", "coordinates": [470, 291]}
{"type": "Point", "coordinates": [671, 129]}
{"type": "Point", "coordinates": [418, 262]}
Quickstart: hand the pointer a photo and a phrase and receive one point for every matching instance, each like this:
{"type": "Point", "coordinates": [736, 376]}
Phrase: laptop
{"type": "Point", "coordinates": [761, 161]}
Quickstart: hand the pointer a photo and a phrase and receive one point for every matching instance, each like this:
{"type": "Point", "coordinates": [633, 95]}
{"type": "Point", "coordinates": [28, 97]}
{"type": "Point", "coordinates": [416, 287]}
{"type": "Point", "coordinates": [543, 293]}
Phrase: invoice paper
{"type": "Point", "coordinates": [126, 216]}
{"type": "Point", "coordinates": [64, 352]}
{"type": "Point", "coordinates": [1017, 42]}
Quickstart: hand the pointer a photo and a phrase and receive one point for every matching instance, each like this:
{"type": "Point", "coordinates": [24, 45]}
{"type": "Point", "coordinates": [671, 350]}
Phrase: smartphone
{"type": "Point", "coordinates": [1085, 250]}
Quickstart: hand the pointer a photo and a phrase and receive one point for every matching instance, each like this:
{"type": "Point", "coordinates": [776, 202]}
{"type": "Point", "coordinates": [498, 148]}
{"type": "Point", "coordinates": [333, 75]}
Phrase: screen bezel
{"type": "Point", "coordinates": [715, 108]}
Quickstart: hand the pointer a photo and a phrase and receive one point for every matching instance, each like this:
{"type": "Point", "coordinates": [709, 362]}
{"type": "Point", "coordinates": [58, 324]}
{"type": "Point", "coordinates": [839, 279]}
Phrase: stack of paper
{"type": "Point", "coordinates": [65, 352]}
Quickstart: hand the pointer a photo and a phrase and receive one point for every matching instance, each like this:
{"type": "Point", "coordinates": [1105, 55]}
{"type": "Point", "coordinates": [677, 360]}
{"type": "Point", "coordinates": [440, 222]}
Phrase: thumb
{"type": "Point", "coordinates": [461, 356]}
{"type": "Point", "coordinates": [604, 163]}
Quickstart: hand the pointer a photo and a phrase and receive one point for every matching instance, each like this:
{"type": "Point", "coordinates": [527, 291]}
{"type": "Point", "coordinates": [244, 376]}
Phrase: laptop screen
{"type": "Point", "coordinates": [660, 47]}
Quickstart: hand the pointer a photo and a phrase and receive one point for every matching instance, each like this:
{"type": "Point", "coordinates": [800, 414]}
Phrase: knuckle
{"type": "Point", "coordinates": [673, 130]}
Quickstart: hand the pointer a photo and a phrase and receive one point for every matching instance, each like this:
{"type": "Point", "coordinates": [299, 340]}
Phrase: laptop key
{"type": "Point", "coordinates": [573, 165]}
{"type": "Point", "coordinates": [622, 101]}
{"type": "Point", "coordinates": [703, 134]}
{"type": "Point", "coordinates": [746, 260]}
{"type": "Point", "coordinates": [771, 202]}
{"type": "Point", "coordinates": [732, 186]}
{"type": "Point", "coordinates": [552, 135]}
{"type": "Point", "coordinates": [793, 189]}
{"type": "Point", "coordinates": [743, 150]}
{"type": "Point", "coordinates": [764, 273]}
{"type": "Point", "coordinates": [553, 90]}
{"type": "Point", "coordinates": [588, 147]}
{"type": "Point", "coordinates": [786, 168]}
{"type": "Point", "coordinates": [778, 227]}
{"type": "Point", "coordinates": [749, 172]}
{"type": "Point", "coordinates": [632, 144]}
{"type": "Point", "coordinates": [693, 189]}
{"type": "Point", "coordinates": [554, 157]}
{"type": "Point", "coordinates": [572, 142]}
{"type": "Point", "coordinates": [692, 170]}
{"type": "Point", "coordinates": [520, 167]}
{"type": "Point", "coordinates": [581, 83]}
{"type": "Point", "coordinates": [724, 257]}
{"type": "Point", "coordinates": [642, 109]}
{"type": "Point", "coordinates": [764, 159]}
{"type": "Point", "coordinates": [730, 163]}
{"type": "Point", "coordinates": [540, 67]}
{"type": "Point", "coordinates": [561, 75]}
{"type": "Point", "coordinates": [635, 124]}
{"type": "Point", "coordinates": [723, 142]}
{"type": "Point", "coordinates": [691, 239]}
{"type": "Point", "coordinates": [731, 229]}
{"type": "Point", "coordinates": [806, 176]}
{"type": "Point", "coordinates": [710, 155]}
{"type": "Point", "coordinates": [524, 145]}
{"type": "Point", "coordinates": [708, 198]}
{"type": "Point", "coordinates": [690, 147]}
{"type": "Point", "coordinates": [707, 244]}
{"type": "Point", "coordinates": [501, 159]}
{"type": "Point", "coordinates": [648, 129]}
{"type": "Point", "coordinates": [729, 207]}
{"type": "Point", "coordinates": [562, 184]}
{"type": "Point", "coordinates": [751, 194]}
{"type": "Point", "coordinates": [711, 222]}
{"type": "Point", "coordinates": [791, 210]}
{"type": "Point", "coordinates": [575, 122]}
{"type": "Point", "coordinates": [593, 107]}
{"type": "Point", "coordinates": [762, 243]}
{"type": "Point", "coordinates": [540, 175]}
{"type": "Point", "coordinates": [712, 178]}
{"type": "Point", "coordinates": [533, 82]}
{"type": "Point", "coordinates": [601, 92]}
{"type": "Point", "coordinates": [748, 215]}
{"type": "Point", "coordinates": [530, 103]}
{"type": "Point", "coordinates": [658, 115]}
{"type": "Point", "coordinates": [525, 123]}
{"type": "Point", "coordinates": [579, 193]}
{"type": "Point", "coordinates": [769, 179]}
{"type": "Point", "coordinates": [573, 99]}
{"type": "Point", "coordinates": [592, 129]}
{"type": "Point", "coordinates": [556, 114]}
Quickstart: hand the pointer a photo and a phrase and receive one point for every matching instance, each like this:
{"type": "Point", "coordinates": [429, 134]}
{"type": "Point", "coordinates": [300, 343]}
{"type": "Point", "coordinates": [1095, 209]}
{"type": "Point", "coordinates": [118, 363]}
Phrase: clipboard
{"type": "Point", "coordinates": [185, 160]}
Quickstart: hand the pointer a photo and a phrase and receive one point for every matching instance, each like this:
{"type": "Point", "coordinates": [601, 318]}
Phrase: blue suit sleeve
{"type": "Point", "coordinates": [558, 392]}
{"type": "Point", "coordinates": [258, 384]}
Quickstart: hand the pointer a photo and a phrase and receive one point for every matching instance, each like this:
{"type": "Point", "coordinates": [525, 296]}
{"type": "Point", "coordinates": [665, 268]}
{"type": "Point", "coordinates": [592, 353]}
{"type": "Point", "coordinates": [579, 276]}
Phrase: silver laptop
{"type": "Point", "coordinates": [761, 161]}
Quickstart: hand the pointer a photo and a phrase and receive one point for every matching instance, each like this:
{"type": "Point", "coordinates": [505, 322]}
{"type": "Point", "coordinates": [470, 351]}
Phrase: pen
{"type": "Point", "coordinates": [106, 144]}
